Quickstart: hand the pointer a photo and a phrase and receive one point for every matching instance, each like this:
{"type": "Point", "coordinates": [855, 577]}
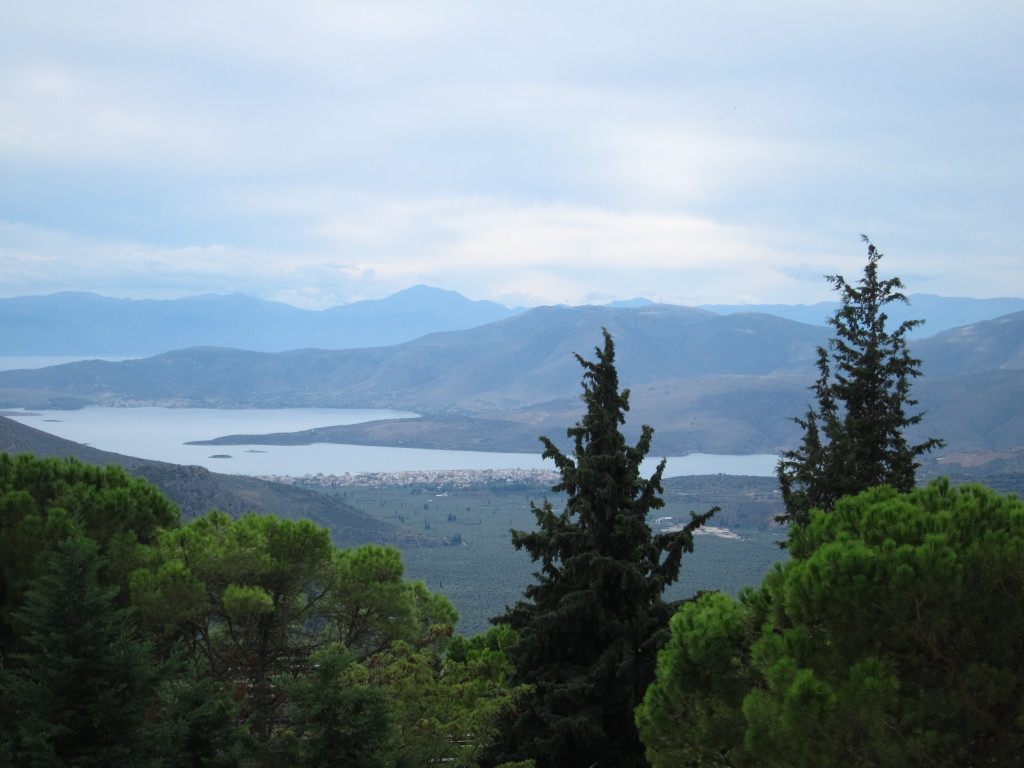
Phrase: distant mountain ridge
{"type": "Point", "coordinates": [940, 313]}
{"type": "Point", "coordinates": [86, 324]}
{"type": "Point", "coordinates": [707, 382]}
{"type": "Point", "coordinates": [81, 324]}
{"type": "Point", "coordinates": [520, 361]}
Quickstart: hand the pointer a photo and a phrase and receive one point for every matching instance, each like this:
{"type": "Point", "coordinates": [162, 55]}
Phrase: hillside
{"type": "Point", "coordinates": [520, 361]}
{"type": "Point", "coordinates": [706, 382]}
{"type": "Point", "coordinates": [940, 313]}
{"type": "Point", "coordinates": [196, 490]}
{"type": "Point", "coordinates": [84, 324]}
{"type": "Point", "coordinates": [989, 345]}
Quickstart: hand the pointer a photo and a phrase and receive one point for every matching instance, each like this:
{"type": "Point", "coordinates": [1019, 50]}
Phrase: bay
{"type": "Point", "coordinates": [160, 434]}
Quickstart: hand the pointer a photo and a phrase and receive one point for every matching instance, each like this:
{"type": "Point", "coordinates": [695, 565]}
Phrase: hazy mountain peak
{"type": "Point", "coordinates": [88, 324]}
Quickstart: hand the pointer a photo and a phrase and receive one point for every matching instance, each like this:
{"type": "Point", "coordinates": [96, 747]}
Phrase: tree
{"type": "Point", "coordinates": [371, 605]}
{"type": "Point", "coordinates": [198, 723]}
{"type": "Point", "coordinates": [692, 714]}
{"type": "Point", "coordinates": [591, 625]}
{"type": "Point", "coordinates": [443, 710]}
{"type": "Point", "coordinates": [264, 633]}
{"type": "Point", "coordinates": [244, 597]}
{"type": "Point", "coordinates": [79, 694]}
{"type": "Point", "coordinates": [853, 436]}
{"type": "Point", "coordinates": [260, 602]}
{"type": "Point", "coordinates": [333, 721]}
{"type": "Point", "coordinates": [891, 638]}
{"type": "Point", "coordinates": [43, 501]}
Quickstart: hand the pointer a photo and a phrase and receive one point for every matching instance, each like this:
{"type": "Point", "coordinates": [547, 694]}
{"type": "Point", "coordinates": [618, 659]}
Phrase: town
{"type": "Point", "coordinates": [434, 478]}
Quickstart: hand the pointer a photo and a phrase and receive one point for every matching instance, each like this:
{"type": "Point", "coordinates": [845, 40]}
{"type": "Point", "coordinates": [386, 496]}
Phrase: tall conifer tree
{"type": "Point", "coordinates": [853, 437]}
{"type": "Point", "coordinates": [591, 625]}
{"type": "Point", "coordinates": [79, 695]}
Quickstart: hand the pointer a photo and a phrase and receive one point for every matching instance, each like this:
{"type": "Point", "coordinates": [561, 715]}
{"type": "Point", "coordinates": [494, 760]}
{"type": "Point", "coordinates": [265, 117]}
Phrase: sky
{"type": "Point", "coordinates": [689, 152]}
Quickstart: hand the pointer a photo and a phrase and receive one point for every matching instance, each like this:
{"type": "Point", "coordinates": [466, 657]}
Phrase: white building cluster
{"type": "Point", "coordinates": [436, 477]}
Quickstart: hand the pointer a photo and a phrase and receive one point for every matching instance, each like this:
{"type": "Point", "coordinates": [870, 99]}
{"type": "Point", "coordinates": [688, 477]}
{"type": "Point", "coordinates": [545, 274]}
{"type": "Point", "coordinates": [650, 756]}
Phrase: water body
{"type": "Point", "coordinates": [161, 433]}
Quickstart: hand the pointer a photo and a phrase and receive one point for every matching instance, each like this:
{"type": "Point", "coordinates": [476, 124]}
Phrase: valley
{"type": "Point", "coordinates": [481, 572]}
{"type": "Point", "coordinates": [707, 383]}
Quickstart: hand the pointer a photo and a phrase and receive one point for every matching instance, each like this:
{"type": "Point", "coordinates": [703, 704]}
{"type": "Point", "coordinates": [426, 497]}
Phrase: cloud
{"type": "Point", "coordinates": [483, 248]}
{"type": "Point", "coordinates": [57, 117]}
{"type": "Point", "coordinates": [322, 152]}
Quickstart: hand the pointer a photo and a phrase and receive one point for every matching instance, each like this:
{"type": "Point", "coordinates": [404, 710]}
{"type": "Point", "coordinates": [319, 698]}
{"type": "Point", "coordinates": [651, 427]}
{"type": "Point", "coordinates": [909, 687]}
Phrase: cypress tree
{"type": "Point", "coordinates": [853, 436]}
{"type": "Point", "coordinates": [79, 694]}
{"type": "Point", "coordinates": [592, 623]}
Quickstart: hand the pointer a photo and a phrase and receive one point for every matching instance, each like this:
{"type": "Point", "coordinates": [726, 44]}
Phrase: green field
{"type": "Point", "coordinates": [482, 572]}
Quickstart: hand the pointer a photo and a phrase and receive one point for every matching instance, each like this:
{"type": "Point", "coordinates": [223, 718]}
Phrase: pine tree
{"type": "Point", "coordinates": [332, 721]}
{"type": "Point", "coordinates": [890, 638]}
{"type": "Point", "coordinates": [853, 437]}
{"type": "Point", "coordinates": [591, 625]}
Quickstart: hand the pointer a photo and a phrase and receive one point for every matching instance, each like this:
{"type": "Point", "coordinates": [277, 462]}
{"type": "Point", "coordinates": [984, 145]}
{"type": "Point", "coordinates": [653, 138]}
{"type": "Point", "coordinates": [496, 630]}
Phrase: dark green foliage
{"type": "Point", "coordinates": [592, 623]}
{"type": "Point", "coordinates": [199, 723]}
{"type": "Point", "coordinates": [79, 693]}
{"type": "Point", "coordinates": [372, 605]}
{"type": "Point", "coordinates": [43, 500]}
{"type": "Point", "coordinates": [490, 648]}
{"type": "Point", "coordinates": [272, 647]}
{"type": "Point", "coordinates": [274, 614]}
{"type": "Point", "coordinates": [334, 722]}
{"type": "Point", "coordinates": [693, 713]}
{"type": "Point", "coordinates": [892, 638]}
{"type": "Point", "coordinates": [443, 710]}
{"type": "Point", "coordinates": [237, 596]}
{"type": "Point", "coordinates": [853, 434]}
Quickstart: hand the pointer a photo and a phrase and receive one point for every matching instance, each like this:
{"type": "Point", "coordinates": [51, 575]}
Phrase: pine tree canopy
{"type": "Point", "coordinates": [892, 637]}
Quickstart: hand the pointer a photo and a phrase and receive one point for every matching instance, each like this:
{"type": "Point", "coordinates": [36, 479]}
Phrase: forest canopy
{"type": "Point", "coordinates": [892, 637]}
{"type": "Point", "coordinates": [129, 638]}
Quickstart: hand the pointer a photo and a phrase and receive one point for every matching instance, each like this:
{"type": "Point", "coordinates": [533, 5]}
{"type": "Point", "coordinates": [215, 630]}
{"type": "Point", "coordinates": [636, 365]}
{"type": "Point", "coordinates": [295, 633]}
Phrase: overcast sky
{"type": "Point", "coordinates": [693, 151]}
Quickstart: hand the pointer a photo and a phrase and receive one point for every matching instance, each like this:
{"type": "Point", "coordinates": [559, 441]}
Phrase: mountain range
{"type": "Point", "coordinates": [707, 382]}
{"type": "Point", "coordinates": [76, 324]}
{"type": "Point", "coordinates": [85, 324]}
